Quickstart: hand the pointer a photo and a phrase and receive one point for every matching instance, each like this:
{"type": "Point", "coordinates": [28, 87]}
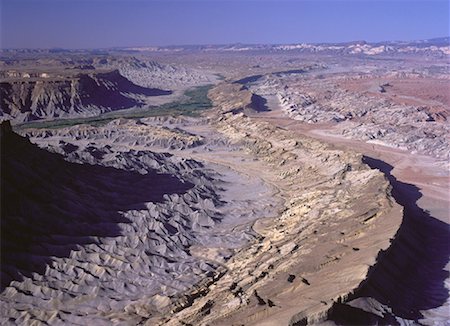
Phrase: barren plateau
{"type": "Point", "coordinates": [226, 185]}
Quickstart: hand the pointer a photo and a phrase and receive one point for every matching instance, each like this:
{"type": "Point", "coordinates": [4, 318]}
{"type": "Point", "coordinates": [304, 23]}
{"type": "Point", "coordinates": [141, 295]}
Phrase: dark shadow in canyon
{"type": "Point", "coordinates": [258, 104]}
{"type": "Point", "coordinates": [248, 80]}
{"type": "Point", "coordinates": [50, 207]}
{"type": "Point", "coordinates": [409, 276]}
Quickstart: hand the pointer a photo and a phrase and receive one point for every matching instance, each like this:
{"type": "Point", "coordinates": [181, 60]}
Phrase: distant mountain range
{"type": "Point", "coordinates": [435, 46]}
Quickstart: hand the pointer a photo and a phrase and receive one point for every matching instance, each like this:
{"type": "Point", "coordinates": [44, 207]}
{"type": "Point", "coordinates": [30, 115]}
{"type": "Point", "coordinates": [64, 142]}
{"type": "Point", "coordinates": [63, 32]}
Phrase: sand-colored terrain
{"type": "Point", "coordinates": [306, 189]}
{"type": "Point", "coordinates": [421, 185]}
{"type": "Point", "coordinates": [278, 195]}
{"type": "Point", "coordinates": [420, 182]}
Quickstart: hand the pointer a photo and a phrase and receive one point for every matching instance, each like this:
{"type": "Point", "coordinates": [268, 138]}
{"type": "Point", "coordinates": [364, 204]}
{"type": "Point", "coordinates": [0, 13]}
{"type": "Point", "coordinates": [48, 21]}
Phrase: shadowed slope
{"type": "Point", "coordinates": [258, 103]}
{"type": "Point", "coordinates": [126, 86]}
{"type": "Point", "coordinates": [80, 95]}
{"type": "Point", "coordinates": [410, 276]}
{"type": "Point", "coordinates": [50, 207]}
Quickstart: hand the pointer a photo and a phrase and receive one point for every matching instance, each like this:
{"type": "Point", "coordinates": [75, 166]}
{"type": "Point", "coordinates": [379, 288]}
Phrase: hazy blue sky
{"type": "Point", "coordinates": [102, 23]}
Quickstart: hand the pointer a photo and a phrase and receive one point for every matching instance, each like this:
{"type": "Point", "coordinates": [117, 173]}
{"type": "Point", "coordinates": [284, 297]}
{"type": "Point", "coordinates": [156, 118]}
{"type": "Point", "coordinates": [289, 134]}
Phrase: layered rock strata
{"type": "Point", "coordinates": [256, 226]}
{"type": "Point", "coordinates": [80, 95]}
{"type": "Point", "coordinates": [337, 216]}
{"type": "Point", "coordinates": [398, 121]}
{"type": "Point", "coordinates": [113, 239]}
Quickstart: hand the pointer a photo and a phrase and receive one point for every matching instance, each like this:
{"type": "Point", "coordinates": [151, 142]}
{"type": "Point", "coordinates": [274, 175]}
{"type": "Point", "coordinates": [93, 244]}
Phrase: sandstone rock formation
{"type": "Point", "coordinates": [234, 217]}
{"type": "Point", "coordinates": [154, 74]}
{"type": "Point", "coordinates": [80, 95]}
{"type": "Point", "coordinates": [115, 240]}
{"type": "Point", "coordinates": [296, 270]}
{"type": "Point", "coordinates": [421, 128]}
{"type": "Point", "coordinates": [172, 256]}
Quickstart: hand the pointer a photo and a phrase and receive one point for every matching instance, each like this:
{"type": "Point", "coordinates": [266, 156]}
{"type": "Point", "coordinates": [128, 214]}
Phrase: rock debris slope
{"type": "Point", "coordinates": [113, 239]}
{"type": "Point", "coordinates": [150, 73]}
{"type": "Point", "coordinates": [337, 216]}
{"type": "Point", "coordinates": [398, 121]}
{"type": "Point", "coordinates": [217, 220]}
{"type": "Point", "coordinates": [79, 95]}
{"type": "Point", "coordinates": [302, 238]}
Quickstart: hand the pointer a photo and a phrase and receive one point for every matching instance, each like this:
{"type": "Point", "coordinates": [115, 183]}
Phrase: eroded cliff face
{"type": "Point", "coordinates": [81, 95]}
{"type": "Point", "coordinates": [337, 216]}
{"type": "Point", "coordinates": [405, 113]}
{"type": "Point", "coordinates": [219, 220]}
{"type": "Point", "coordinates": [112, 232]}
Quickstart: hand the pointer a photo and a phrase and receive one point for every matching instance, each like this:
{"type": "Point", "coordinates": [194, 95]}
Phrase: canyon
{"type": "Point", "coordinates": [226, 185]}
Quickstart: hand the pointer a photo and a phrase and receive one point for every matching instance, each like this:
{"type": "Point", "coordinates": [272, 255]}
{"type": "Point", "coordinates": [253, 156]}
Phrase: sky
{"type": "Point", "coordinates": [120, 23]}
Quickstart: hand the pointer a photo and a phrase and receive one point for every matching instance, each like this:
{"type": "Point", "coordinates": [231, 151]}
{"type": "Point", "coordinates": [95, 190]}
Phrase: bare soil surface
{"type": "Point", "coordinates": [415, 91]}
{"type": "Point", "coordinates": [315, 190]}
{"type": "Point", "coordinates": [421, 185]}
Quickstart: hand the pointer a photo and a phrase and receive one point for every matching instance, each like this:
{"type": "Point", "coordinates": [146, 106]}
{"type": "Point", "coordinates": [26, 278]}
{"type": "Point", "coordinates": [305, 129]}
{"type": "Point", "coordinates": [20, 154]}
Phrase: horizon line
{"type": "Point", "coordinates": [223, 44]}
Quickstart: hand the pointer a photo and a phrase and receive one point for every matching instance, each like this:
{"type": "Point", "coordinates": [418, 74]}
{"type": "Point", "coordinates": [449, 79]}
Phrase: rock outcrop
{"type": "Point", "coordinates": [362, 115]}
{"type": "Point", "coordinates": [234, 217]}
{"type": "Point", "coordinates": [338, 215]}
{"type": "Point", "coordinates": [115, 234]}
{"type": "Point", "coordinates": [81, 95]}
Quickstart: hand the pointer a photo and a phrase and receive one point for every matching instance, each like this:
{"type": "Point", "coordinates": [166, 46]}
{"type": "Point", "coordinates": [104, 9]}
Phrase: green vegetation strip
{"type": "Point", "coordinates": [196, 101]}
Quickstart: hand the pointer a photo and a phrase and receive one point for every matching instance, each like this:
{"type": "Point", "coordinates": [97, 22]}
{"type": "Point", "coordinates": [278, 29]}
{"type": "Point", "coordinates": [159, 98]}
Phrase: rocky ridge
{"type": "Point", "coordinates": [294, 205]}
{"type": "Point", "coordinates": [81, 95]}
{"type": "Point", "coordinates": [362, 116]}
{"type": "Point", "coordinates": [121, 251]}
{"type": "Point", "coordinates": [145, 133]}
{"type": "Point", "coordinates": [149, 73]}
{"type": "Point", "coordinates": [312, 255]}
